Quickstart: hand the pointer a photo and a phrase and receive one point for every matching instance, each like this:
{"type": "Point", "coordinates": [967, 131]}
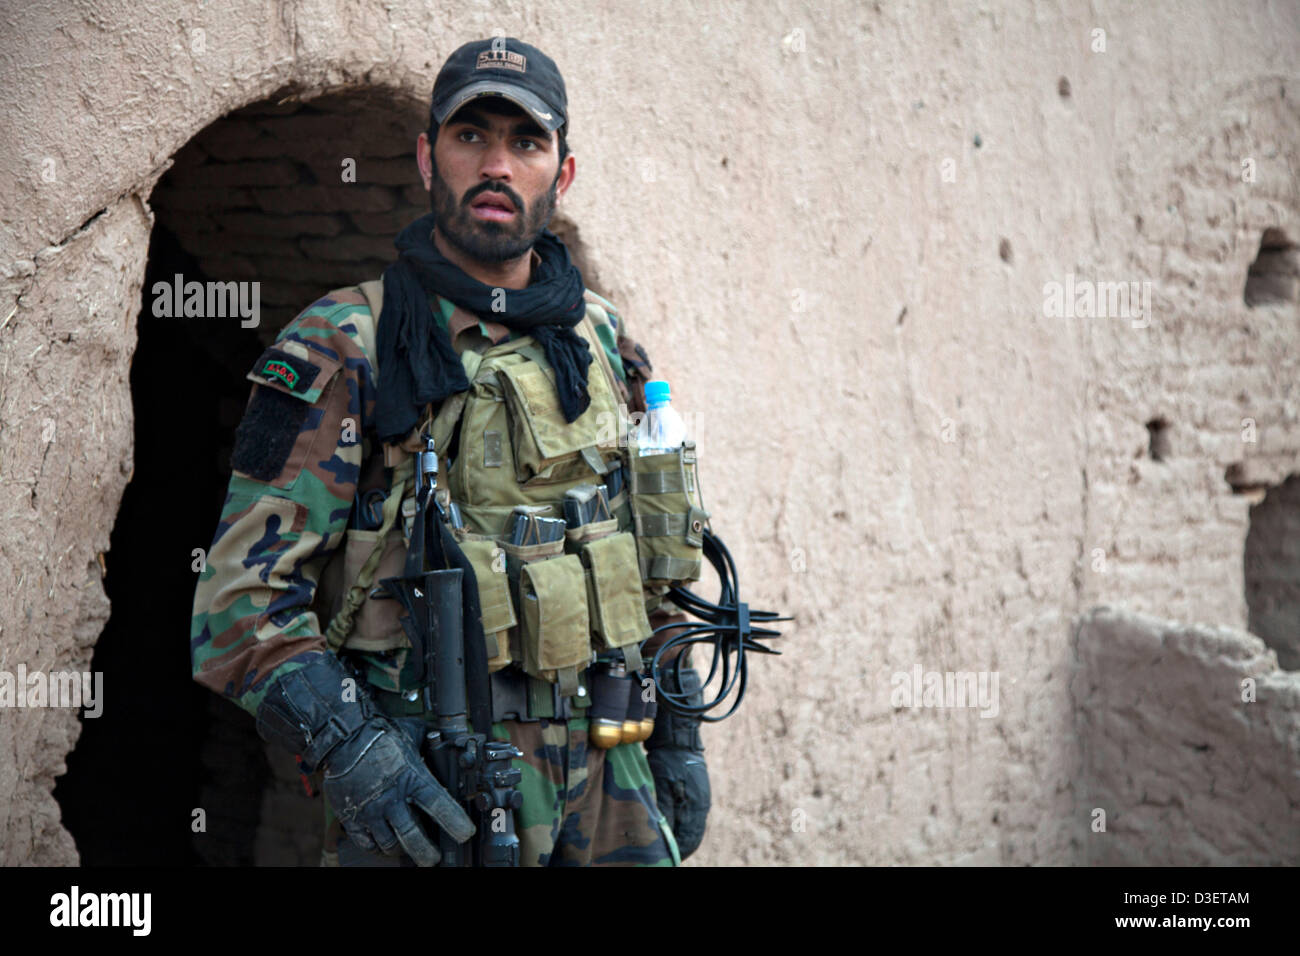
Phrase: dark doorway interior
{"type": "Point", "coordinates": [1272, 571]}
{"type": "Point", "coordinates": [138, 771]}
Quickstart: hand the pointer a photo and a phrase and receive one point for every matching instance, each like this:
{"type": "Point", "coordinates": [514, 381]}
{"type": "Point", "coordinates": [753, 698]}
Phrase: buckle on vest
{"type": "Point", "coordinates": [408, 517]}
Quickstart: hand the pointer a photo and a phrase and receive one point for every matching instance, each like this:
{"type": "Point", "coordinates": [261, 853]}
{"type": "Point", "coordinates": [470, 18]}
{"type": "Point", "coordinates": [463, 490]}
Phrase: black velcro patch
{"type": "Point", "coordinates": [268, 432]}
{"type": "Point", "coordinates": [294, 373]}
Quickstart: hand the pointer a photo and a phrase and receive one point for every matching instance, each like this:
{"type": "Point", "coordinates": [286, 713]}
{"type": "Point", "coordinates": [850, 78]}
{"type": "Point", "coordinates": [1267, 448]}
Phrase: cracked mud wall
{"type": "Point", "coordinates": [65, 451]}
{"type": "Point", "coordinates": [832, 231]}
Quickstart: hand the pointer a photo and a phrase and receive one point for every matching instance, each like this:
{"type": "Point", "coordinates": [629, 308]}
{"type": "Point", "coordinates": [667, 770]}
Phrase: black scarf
{"type": "Point", "coordinates": [417, 364]}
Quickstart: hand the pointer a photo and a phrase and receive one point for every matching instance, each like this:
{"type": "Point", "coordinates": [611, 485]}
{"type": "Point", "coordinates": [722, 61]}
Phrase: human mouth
{"type": "Point", "coordinates": [493, 207]}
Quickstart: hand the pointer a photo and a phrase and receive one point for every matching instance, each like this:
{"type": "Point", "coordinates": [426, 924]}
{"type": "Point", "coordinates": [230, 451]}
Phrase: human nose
{"type": "Point", "coordinates": [496, 161]}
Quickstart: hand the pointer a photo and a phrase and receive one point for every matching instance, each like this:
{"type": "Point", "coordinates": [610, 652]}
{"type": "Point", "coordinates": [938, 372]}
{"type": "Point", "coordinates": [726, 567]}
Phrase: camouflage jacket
{"type": "Point", "coordinates": [306, 440]}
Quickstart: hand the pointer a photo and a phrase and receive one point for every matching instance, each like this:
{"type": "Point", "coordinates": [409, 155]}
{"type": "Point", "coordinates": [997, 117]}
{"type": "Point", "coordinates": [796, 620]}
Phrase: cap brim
{"type": "Point", "coordinates": [527, 100]}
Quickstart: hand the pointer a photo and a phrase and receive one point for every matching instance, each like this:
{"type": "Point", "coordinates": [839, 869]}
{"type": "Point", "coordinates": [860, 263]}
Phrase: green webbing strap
{"type": "Point", "coordinates": [541, 698]}
{"type": "Point", "coordinates": [659, 525]}
{"type": "Point", "coordinates": [471, 360]}
{"type": "Point", "coordinates": [449, 412]}
{"type": "Point", "coordinates": [632, 657]}
{"type": "Point", "coordinates": [664, 568]}
{"type": "Point", "coordinates": [567, 679]}
{"type": "Point", "coordinates": [368, 328]}
{"type": "Point", "coordinates": [661, 483]}
{"type": "Point", "coordinates": [340, 628]}
{"type": "Point", "coordinates": [444, 423]}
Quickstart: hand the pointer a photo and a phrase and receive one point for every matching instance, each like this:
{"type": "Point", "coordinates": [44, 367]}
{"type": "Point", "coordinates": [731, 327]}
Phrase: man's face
{"type": "Point", "coordinates": [494, 178]}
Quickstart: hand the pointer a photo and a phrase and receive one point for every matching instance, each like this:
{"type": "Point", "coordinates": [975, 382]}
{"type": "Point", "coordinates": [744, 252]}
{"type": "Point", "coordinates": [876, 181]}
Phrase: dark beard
{"type": "Point", "coordinates": [490, 241]}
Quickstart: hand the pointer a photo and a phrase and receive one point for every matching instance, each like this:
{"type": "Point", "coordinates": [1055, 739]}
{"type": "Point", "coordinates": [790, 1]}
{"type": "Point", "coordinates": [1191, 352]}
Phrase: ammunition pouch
{"type": "Point", "coordinates": [496, 601]}
{"type": "Point", "coordinates": [546, 448]}
{"type": "Point", "coordinates": [667, 515]}
{"type": "Point", "coordinates": [377, 624]}
{"type": "Point", "coordinates": [554, 622]}
{"type": "Point", "coordinates": [615, 599]}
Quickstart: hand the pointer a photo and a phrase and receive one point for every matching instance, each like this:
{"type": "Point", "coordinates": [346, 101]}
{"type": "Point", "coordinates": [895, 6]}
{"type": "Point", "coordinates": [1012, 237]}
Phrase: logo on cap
{"type": "Point", "coordinates": [501, 60]}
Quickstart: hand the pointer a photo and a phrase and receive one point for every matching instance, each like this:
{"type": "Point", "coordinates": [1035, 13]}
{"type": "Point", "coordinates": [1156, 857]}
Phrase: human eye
{"type": "Point", "coordinates": [529, 145]}
{"type": "Point", "coordinates": [464, 133]}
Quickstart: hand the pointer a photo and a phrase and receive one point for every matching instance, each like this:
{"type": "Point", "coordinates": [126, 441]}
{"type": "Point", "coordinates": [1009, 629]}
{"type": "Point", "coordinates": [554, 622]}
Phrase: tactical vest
{"type": "Point", "coordinates": [548, 608]}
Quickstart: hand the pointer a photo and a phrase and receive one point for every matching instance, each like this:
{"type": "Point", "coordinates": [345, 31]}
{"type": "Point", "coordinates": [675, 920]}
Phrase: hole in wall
{"type": "Point", "coordinates": [1243, 483]}
{"type": "Point", "coordinates": [1158, 439]}
{"type": "Point", "coordinates": [1274, 276]}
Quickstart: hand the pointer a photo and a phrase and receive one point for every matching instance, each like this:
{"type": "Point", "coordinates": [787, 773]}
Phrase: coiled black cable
{"type": "Point", "coordinates": [729, 625]}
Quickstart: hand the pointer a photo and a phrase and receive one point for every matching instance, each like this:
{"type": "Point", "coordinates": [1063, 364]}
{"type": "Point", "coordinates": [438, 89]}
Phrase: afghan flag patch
{"type": "Point", "coordinates": [294, 373]}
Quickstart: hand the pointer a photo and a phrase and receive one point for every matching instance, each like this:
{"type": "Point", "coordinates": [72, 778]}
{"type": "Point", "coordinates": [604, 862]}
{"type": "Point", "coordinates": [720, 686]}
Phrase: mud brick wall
{"type": "Point", "coordinates": [1191, 745]}
{"type": "Point", "coordinates": [261, 195]}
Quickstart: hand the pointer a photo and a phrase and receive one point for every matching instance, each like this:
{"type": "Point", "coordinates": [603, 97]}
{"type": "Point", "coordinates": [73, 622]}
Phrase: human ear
{"type": "Point", "coordinates": [424, 159]}
{"type": "Point", "coordinates": [564, 178]}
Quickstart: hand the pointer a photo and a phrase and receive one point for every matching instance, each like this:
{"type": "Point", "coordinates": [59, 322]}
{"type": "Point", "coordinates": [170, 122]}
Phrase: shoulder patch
{"type": "Point", "coordinates": [266, 436]}
{"type": "Point", "coordinates": [296, 373]}
{"type": "Point", "coordinates": [290, 366]}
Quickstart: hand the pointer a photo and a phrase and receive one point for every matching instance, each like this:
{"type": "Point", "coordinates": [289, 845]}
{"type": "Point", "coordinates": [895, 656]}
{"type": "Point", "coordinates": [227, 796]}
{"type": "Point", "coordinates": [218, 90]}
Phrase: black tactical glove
{"type": "Point", "coordinates": [676, 756]}
{"type": "Point", "coordinates": [372, 773]}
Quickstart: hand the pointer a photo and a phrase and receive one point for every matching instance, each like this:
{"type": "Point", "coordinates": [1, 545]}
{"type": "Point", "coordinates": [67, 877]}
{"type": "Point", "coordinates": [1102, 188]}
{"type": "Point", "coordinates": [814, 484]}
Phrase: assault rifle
{"type": "Point", "coordinates": [438, 591]}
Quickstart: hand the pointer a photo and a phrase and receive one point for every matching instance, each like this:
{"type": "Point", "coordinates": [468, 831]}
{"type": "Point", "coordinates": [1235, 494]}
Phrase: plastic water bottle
{"type": "Point", "coordinates": [662, 429]}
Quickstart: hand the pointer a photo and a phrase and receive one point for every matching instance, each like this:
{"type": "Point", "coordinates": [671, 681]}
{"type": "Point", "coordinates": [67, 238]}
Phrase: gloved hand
{"type": "Point", "coordinates": [676, 757]}
{"type": "Point", "coordinates": [372, 773]}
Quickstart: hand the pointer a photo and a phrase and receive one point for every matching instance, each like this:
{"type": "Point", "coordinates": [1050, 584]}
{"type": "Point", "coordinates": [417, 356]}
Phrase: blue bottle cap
{"type": "Point", "coordinates": [656, 393]}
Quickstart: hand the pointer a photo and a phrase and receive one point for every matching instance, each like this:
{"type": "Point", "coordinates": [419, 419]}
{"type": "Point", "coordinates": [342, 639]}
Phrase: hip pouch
{"type": "Point", "coordinates": [667, 515]}
{"type": "Point", "coordinates": [615, 602]}
{"type": "Point", "coordinates": [551, 593]}
{"type": "Point", "coordinates": [378, 620]}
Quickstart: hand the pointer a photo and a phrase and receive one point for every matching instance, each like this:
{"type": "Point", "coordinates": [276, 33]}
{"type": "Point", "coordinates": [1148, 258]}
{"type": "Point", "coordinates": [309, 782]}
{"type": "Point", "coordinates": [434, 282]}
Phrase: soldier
{"type": "Point", "coordinates": [489, 342]}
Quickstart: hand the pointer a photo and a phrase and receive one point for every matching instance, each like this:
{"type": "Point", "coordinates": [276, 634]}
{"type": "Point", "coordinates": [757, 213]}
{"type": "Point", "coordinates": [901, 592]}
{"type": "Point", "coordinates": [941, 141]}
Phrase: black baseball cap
{"type": "Point", "coordinates": [502, 66]}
